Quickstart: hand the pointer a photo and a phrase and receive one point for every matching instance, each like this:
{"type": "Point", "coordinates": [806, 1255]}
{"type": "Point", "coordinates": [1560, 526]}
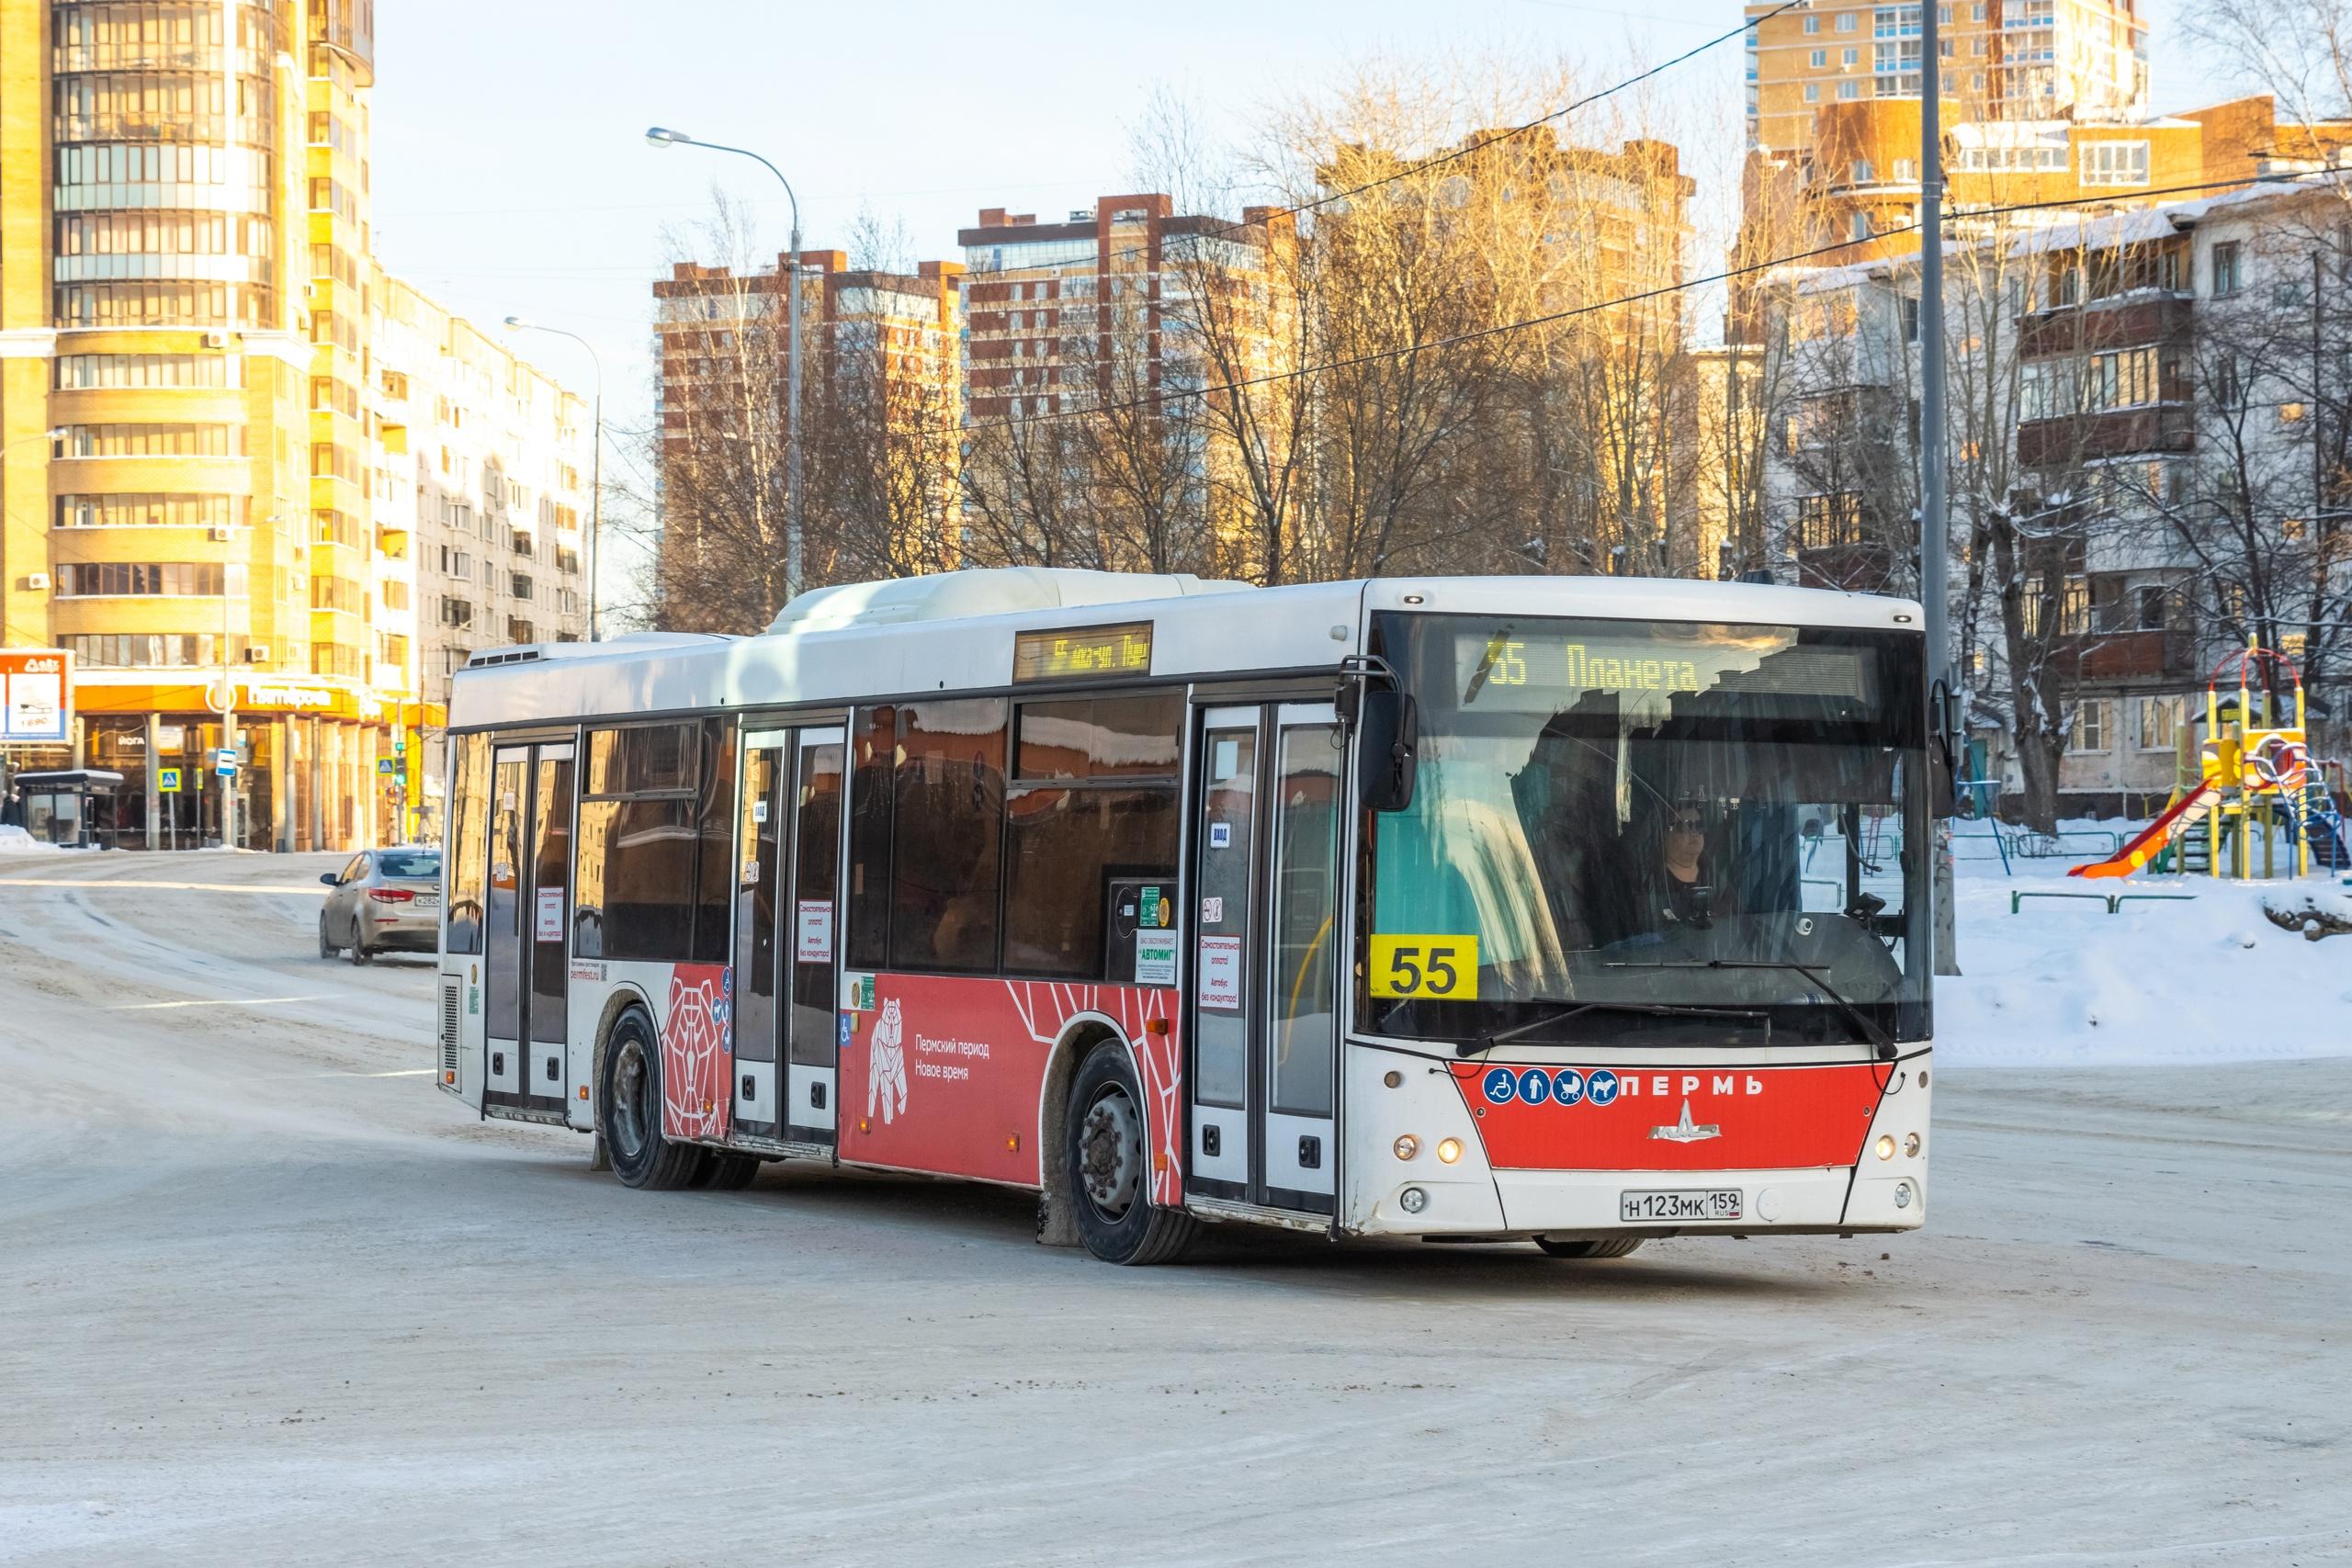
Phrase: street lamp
{"type": "Point", "coordinates": [595, 462]}
{"type": "Point", "coordinates": [661, 136]}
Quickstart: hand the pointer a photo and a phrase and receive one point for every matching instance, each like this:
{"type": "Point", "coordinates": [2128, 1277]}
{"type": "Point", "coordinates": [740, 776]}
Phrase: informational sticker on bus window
{"type": "Point", "coordinates": [1443, 967]}
{"type": "Point", "coordinates": [549, 924]}
{"type": "Point", "coordinates": [1220, 835]}
{"type": "Point", "coordinates": [1213, 911]}
{"type": "Point", "coordinates": [857, 993]}
{"type": "Point", "coordinates": [751, 878]}
{"type": "Point", "coordinates": [759, 811]}
{"type": "Point", "coordinates": [812, 940]}
{"type": "Point", "coordinates": [1156, 958]}
{"type": "Point", "coordinates": [1219, 983]}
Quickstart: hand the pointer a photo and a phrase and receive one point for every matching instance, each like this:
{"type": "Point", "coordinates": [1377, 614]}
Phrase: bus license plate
{"type": "Point", "coordinates": [1715, 1204]}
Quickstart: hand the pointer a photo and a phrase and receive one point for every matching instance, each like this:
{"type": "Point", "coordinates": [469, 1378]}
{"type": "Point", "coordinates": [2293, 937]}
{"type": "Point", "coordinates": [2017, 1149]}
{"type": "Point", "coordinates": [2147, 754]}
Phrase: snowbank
{"type": "Point", "coordinates": [15, 841]}
{"type": "Point", "coordinates": [2062, 982]}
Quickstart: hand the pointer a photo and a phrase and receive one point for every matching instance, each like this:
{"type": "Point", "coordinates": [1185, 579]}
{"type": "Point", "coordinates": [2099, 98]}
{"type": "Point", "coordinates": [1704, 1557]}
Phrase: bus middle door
{"type": "Point", "coordinates": [527, 924]}
{"type": "Point", "coordinates": [788, 897]}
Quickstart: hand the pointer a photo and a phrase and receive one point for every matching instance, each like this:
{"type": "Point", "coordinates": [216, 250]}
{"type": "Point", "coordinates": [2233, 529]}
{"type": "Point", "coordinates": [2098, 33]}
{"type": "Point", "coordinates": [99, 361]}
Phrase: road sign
{"type": "Point", "coordinates": [167, 779]}
{"type": "Point", "coordinates": [387, 766]}
{"type": "Point", "coordinates": [224, 761]}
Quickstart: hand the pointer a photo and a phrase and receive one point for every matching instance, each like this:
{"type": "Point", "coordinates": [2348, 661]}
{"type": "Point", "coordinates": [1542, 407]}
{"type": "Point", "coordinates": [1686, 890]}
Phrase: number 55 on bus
{"type": "Point", "coordinates": [1573, 910]}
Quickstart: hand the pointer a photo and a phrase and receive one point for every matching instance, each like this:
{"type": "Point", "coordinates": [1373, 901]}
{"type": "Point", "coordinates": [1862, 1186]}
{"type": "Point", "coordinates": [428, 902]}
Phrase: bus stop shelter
{"type": "Point", "coordinates": [62, 807]}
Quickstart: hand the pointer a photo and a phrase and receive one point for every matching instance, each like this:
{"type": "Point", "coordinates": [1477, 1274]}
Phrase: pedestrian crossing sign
{"type": "Point", "coordinates": [167, 779]}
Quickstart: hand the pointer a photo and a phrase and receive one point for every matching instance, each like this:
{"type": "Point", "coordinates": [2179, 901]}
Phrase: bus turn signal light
{"type": "Point", "coordinates": [1449, 1150]}
{"type": "Point", "coordinates": [1885, 1145]}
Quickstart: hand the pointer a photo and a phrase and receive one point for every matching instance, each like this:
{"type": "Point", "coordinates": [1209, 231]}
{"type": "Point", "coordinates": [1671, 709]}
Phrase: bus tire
{"type": "Point", "coordinates": [1108, 1167]}
{"type": "Point", "coordinates": [629, 1111]}
{"type": "Point", "coordinates": [1615, 1246]}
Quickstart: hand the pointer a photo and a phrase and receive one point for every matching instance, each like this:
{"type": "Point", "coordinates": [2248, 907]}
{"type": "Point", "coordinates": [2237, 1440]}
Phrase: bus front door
{"type": "Point", "coordinates": [788, 895]}
{"type": "Point", "coordinates": [527, 924]}
{"type": "Point", "coordinates": [1264, 1016]}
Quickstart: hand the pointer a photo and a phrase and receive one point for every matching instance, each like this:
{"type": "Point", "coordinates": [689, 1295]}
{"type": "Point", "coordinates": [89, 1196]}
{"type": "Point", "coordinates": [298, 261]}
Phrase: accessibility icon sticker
{"type": "Point", "coordinates": [1602, 1087]}
{"type": "Point", "coordinates": [1567, 1086]}
{"type": "Point", "coordinates": [1536, 1085]}
{"type": "Point", "coordinates": [1500, 1086]}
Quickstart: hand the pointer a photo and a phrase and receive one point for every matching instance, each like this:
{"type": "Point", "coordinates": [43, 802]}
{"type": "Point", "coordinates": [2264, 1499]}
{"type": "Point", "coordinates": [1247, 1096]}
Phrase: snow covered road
{"type": "Point", "coordinates": [265, 1297]}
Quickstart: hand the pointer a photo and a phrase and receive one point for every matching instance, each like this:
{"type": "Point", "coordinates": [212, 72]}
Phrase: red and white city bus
{"type": "Point", "coordinates": [1579, 911]}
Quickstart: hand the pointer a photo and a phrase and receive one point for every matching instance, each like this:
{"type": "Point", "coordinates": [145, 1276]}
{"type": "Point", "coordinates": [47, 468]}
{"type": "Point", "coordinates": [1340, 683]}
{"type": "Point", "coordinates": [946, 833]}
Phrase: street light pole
{"type": "Point", "coordinates": [659, 136]}
{"type": "Point", "coordinates": [596, 463]}
{"type": "Point", "coordinates": [1935, 529]}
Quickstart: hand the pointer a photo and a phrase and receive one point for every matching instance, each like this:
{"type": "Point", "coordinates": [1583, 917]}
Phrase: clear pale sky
{"type": "Point", "coordinates": [511, 175]}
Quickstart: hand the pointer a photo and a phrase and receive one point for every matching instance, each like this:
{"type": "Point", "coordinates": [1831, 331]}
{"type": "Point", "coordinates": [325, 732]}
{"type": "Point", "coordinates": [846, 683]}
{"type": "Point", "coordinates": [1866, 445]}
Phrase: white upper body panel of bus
{"type": "Point", "coordinates": [954, 632]}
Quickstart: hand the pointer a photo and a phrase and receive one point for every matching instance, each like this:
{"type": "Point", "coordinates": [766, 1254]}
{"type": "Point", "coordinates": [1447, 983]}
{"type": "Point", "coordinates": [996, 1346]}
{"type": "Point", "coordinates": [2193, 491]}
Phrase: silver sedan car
{"type": "Point", "coordinates": [384, 901]}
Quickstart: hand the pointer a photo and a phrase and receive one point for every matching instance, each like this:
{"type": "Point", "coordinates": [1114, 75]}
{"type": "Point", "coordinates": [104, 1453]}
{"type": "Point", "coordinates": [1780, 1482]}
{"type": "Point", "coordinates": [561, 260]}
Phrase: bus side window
{"type": "Point", "coordinates": [947, 833]}
{"type": "Point", "coordinates": [638, 845]}
{"type": "Point", "coordinates": [874, 750]}
{"type": "Point", "coordinates": [714, 902]}
{"type": "Point", "coordinates": [468, 846]}
{"type": "Point", "coordinates": [1094, 802]}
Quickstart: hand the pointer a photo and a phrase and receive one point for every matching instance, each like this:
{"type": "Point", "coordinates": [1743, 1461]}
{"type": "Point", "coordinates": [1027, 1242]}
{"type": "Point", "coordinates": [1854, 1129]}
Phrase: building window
{"type": "Point", "coordinates": [2090, 725]}
{"type": "Point", "coordinates": [1861, 226]}
{"type": "Point", "coordinates": [1907, 171]}
{"type": "Point", "coordinates": [2160, 723]}
{"type": "Point", "coordinates": [2229, 267]}
{"type": "Point", "coordinates": [1863, 171]}
{"type": "Point", "coordinates": [1812, 23]}
{"type": "Point", "coordinates": [1853, 57]}
{"type": "Point", "coordinates": [1812, 96]}
{"type": "Point", "coordinates": [2115, 164]}
{"type": "Point", "coordinates": [1849, 91]}
{"type": "Point", "coordinates": [1849, 21]}
{"type": "Point", "coordinates": [1907, 312]}
{"type": "Point", "coordinates": [1820, 59]}
{"type": "Point", "coordinates": [165, 579]}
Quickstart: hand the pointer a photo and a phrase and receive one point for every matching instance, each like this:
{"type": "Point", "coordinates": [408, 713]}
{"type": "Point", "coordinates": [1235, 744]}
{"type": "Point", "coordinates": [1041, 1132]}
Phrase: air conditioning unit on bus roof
{"type": "Point", "coordinates": [993, 591]}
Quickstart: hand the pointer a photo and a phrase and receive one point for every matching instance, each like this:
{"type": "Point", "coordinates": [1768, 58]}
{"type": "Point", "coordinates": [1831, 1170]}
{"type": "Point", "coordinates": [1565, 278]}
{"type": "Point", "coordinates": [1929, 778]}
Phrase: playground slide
{"type": "Point", "coordinates": [2132, 857]}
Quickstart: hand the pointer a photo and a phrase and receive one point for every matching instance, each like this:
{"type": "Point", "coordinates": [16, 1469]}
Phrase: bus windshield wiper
{"type": "Point", "coordinates": [1862, 1022]}
{"type": "Point", "coordinates": [1572, 1008]}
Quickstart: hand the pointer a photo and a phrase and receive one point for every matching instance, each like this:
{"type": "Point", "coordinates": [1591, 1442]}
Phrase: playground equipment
{"type": "Point", "coordinates": [2248, 778]}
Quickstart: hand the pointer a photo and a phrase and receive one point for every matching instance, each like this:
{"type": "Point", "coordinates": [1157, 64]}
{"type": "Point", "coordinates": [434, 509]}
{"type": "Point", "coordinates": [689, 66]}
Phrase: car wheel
{"type": "Point", "coordinates": [358, 950]}
{"type": "Point", "coordinates": [630, 1110]}
{"type": "Point", "coordinates": [1615, 1247]}
{"type": "Point", "coordinates": [1107, 1167]}
{"type": "Point", "coordinates": [326, 948]}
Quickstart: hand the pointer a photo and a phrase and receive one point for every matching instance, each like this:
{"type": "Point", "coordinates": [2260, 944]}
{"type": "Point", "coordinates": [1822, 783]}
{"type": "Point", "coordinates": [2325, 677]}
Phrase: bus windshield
{"type": "Point", "coordinates": [1655, 832]}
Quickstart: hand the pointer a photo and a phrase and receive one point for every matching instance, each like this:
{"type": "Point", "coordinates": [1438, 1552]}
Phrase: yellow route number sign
{"type": "Point", "coordinates": [1445, 967]}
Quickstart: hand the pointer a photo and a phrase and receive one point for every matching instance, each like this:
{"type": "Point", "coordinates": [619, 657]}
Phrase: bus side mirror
{"type": "Point", "coordinates": [1388, 737]}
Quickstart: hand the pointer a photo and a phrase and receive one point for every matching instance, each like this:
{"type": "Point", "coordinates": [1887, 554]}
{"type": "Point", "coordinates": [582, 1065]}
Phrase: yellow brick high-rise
{"type": "Point", "coordinates": [207, 487]}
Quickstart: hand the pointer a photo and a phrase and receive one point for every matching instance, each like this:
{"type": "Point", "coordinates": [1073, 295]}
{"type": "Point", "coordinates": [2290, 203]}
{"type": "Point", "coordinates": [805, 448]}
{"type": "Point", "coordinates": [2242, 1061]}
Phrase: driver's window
{"type": "Point", "coordinates": [355, 870]}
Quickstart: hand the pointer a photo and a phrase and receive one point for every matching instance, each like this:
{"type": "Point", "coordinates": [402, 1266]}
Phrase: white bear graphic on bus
{"type": "Point", "coordinates": [886, 1065]}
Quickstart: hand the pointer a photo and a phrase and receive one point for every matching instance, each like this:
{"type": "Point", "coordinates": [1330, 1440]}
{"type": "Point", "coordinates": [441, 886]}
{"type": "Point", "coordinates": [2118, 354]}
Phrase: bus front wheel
{"type": "Point", "coordinates": [1616, 1247]}
{"type": "Point", "coordinates": [1107, 1165]}
{"type": "Point", "coordinates": [631, 1110]}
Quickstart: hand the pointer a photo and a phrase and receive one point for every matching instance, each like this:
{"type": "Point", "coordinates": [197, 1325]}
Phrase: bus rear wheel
{"type": "Point", "coordinates": [1617, 1246]}
{"type": "Point", "coordinates": [631, 1110]}
{"type": "Point", "coordinates": [1107, 1166]}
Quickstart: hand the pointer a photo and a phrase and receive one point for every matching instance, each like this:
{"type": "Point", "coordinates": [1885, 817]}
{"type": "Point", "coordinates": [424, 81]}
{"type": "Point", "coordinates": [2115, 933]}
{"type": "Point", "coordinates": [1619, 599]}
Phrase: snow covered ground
{"type": "Point", "coordinates": [2064, 982]}
{"type": "Point", "coordinates": [267, 1297]}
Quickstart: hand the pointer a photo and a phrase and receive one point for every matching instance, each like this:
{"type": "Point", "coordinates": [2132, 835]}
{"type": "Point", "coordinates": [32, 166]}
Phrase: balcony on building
{"type": "Point", "coordinates": [2066, 439]}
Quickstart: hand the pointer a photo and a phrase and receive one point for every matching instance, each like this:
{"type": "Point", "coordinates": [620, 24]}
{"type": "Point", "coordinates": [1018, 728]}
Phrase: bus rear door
{"type": "Point", "coordinates": [527, 923]}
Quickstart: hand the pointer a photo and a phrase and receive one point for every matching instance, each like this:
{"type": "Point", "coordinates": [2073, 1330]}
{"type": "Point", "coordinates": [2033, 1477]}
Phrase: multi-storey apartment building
{"type": "Point", "coordinates": [2001, 59]}
{"type": "Point", "coordinates": [196, 494]}
{"type": "Point", "coordinates": [881, 399]}
{"type": "Point", "coordinates": [1859, 177]}
{"type": "Point", "coordinates": [486, 465]}
{"type": "Point", "coordinates": [2149, 449]}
